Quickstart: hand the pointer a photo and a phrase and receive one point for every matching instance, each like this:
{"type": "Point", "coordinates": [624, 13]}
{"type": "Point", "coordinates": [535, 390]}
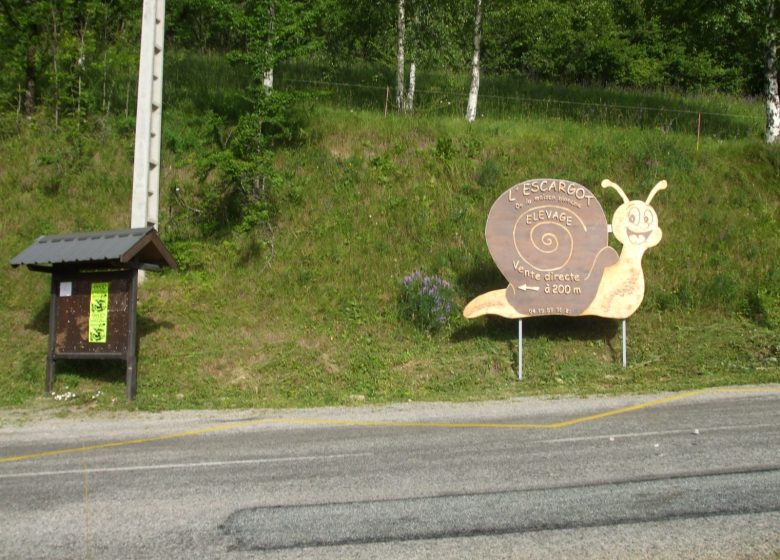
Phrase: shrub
{"type": "Point", "coordinates": [426, 301]}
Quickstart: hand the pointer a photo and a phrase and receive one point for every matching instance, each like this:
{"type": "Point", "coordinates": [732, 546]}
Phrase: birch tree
{"type": "Point", "coordinates": [471, 108]}
{"type": "Point", "coordinates": [409, 102]}
{"type": "Point", "coordinates": [414, 43]}
{"type": "Point", "coordinates": [428, 35]}
{"type": "Point", "coordinates": [268, 75]}
{"type": "Point", "coordinates": [772, 131]}
{"type": "Point", "coordinates": [400, 74]}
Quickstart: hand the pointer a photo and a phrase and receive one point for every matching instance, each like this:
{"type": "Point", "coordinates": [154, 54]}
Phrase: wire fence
{"type": "Point", "coordinates": [670, 115]}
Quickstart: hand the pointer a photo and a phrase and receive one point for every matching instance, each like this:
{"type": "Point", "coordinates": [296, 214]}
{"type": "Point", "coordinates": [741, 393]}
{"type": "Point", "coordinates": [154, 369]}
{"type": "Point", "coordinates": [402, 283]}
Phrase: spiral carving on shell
{"type": "Point", "coordinates": [548, 238]}
{"type": "Point", "coordinates": [545, 245]}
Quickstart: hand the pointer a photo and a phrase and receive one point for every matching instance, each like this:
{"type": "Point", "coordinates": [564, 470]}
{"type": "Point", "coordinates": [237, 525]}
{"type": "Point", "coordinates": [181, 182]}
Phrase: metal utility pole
{"type": "Point", "coordinates": [148, 123]}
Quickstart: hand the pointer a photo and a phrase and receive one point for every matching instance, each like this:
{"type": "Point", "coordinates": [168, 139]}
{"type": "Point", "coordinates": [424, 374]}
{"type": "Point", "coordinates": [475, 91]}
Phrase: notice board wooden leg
{"type": "Point", "coordinates": [51, 363]}
{"type": "Point", "coordinates": [51, 371]}
{"type": "Point", "coordinates": [132, 339]}
{"type": "Point", "coordinates": [132, 377]}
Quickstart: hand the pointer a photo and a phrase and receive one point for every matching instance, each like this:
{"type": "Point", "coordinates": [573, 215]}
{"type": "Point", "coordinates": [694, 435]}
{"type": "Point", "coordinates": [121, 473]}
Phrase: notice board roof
{"type": "Point", "coordinates": [125, 248]}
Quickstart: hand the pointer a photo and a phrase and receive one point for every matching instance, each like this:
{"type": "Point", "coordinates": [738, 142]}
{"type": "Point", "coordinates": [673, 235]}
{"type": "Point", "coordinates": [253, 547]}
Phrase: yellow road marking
{"type": "Point", "coordinates": [138, 441]}
{"type": "Point", "coordinates": [626, 409]}
{"type": "Point", "coordinates": [333, 422]}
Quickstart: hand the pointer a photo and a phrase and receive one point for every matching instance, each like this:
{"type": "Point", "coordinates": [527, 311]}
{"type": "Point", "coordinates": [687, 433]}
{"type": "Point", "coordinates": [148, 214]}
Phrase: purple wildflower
{"type": "Point", "coordinates": [426, 300]}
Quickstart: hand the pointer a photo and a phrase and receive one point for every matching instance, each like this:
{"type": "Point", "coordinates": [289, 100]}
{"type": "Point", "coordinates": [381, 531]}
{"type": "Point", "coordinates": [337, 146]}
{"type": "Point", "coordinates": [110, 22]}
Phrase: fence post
{"type": "Point", "coordinates": [698, 132]}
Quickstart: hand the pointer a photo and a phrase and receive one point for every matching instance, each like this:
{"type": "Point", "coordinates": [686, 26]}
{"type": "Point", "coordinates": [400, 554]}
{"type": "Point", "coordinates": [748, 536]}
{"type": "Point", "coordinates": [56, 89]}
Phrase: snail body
{"type": "Point", "coordinates": [557, 259]}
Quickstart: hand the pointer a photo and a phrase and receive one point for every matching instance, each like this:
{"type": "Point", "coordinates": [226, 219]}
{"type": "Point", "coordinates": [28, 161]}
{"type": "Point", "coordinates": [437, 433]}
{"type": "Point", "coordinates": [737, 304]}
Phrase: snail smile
{"type": "Point", "coordinates": [637, 237]}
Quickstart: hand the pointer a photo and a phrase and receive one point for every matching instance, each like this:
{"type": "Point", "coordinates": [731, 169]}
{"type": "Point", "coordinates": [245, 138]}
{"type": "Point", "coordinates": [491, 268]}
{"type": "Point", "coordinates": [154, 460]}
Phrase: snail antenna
{"type": "Point", "coordinates": [659, 187]}
{"type": "Point", "coordinates": [606, 183]}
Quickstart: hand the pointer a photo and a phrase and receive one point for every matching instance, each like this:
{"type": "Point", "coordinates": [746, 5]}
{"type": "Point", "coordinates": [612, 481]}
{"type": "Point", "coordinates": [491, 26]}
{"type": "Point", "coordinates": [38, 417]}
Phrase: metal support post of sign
{"type": "Point", "coordinates": [624, 343]}
{"type": "Point", "coordinates": [520, 350]}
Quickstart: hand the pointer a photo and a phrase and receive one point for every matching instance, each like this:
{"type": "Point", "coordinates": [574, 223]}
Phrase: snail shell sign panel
{"type": "Point", "coordinates": [548, 238]}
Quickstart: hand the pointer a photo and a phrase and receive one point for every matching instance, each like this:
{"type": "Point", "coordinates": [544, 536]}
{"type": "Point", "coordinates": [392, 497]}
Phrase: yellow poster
{"type": "Point", "coordinates": [98, 312]}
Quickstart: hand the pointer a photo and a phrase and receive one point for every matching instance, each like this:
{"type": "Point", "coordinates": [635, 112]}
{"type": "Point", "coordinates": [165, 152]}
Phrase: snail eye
{"type": "Point", "coordinates": [648, 217]}
{"type": "Point", "coordinates": [633, 216]}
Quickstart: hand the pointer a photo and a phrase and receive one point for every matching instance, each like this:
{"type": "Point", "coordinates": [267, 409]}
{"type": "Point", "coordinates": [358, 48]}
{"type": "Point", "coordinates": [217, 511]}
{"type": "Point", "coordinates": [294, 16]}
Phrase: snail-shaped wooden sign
{"type": "Point", "coordinates": [548, 238]}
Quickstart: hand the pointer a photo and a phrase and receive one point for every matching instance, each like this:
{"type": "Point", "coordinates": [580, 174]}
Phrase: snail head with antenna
{"type": "Point", "coordinates": [635, 223]}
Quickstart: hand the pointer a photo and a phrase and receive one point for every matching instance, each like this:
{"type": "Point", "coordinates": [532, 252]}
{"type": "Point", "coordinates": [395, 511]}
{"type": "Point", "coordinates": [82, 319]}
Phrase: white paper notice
{"type": "Point", "coordinates": [66, 289]}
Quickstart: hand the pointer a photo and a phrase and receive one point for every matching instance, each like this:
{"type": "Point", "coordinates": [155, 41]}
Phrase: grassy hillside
{"type": "Point", "coordinates": [310, 315]}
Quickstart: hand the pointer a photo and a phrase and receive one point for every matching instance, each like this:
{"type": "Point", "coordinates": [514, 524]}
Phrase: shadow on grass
{"type": "Point", "coordinates": [550, 328]}
{"type": "Point", "coordinates": [147, 326]}
{"type": "Point", "coordinates": [481, 277]}
{"type": "Point", "coordinates": [554, 329]}
{"type": "Point", "coordinates": [40, 321]}
{"type": "Point", "coordinates": [105, 371]}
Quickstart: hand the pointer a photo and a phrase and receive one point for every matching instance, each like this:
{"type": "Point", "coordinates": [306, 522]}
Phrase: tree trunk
{"type": "Point", "coordinates": [268, 75]}
{"type": "Point", "coordinates": [106, 104]}
{"type": "Point", "coordinates": [409, 105]}
{"type": "Point", "coordinates": [471, 108]}
{"type": "Point", "coordinates": [81, 65]}
{"type": "Point", "coordinates": [268, 79]}
{"type": "Point", "coordinates": [413, 47]}
{"type": "Point", "coordinates": [400, 73]}
{"type": "Point", "coordinates": [29, 94]}
{"type": "Point", "coordinates": [770, 66]}
{"type": "Point", "coordinates": [55, 51]}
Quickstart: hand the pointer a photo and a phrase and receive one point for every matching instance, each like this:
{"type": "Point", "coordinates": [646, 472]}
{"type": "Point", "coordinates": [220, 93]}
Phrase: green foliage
{"type": "Point", "coordinates": [80, 58]}
{"type": "Point", "coordinates": [428, 302]}
{"type": "Point", "coordinates": [74, 56]}
{"type": "Point", "coordinates": [708, 46]}
{"type": "Point", "coordinates": [272, 31]}
{"type": "Point", "coordinates": [202, 25]}
{"type": "Point", "coordinates": [236, 185]}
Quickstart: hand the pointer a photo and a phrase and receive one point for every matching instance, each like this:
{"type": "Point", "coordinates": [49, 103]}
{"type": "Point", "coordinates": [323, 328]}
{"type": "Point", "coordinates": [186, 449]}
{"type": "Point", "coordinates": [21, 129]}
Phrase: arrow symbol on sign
{"type": "Point", "coordinates": [526, 287]}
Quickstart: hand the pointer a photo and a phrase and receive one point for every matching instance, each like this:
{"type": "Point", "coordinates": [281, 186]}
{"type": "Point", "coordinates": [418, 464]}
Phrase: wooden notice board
{"type": "Point", "coordinates": [94, 291]}
{"type": "Point", "coordinates": [93, 316]}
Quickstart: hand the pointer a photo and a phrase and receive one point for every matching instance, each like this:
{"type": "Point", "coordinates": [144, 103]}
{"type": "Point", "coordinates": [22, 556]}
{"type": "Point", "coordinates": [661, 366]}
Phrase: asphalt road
{"type": "Point", "coordinates": [689, 475]}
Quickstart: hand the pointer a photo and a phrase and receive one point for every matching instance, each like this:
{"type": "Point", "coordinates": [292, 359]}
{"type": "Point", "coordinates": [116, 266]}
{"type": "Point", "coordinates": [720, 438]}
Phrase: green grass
{"type": "Point", "coordinates": [313, 319]}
